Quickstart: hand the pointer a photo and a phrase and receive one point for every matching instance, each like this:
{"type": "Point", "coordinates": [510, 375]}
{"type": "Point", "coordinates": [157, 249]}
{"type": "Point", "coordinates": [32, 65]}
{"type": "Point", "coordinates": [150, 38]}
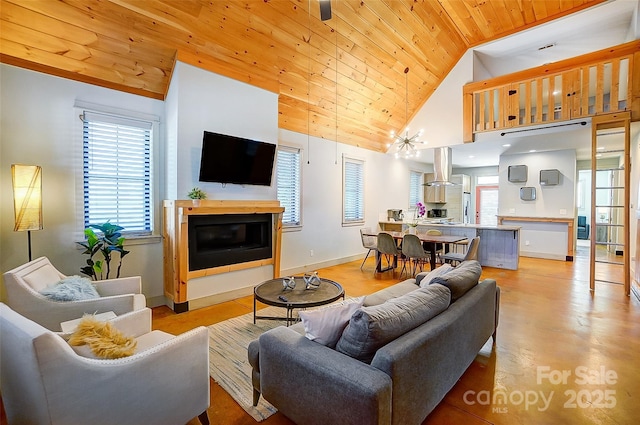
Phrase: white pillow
{"type": "Point", "coordinates": [438, 271]}
{"type": "Point", "coordinates": [325, 325]}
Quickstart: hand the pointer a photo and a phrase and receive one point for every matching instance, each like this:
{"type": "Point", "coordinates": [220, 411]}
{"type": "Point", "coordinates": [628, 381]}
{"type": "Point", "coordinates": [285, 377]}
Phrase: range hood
{"type": "Point", "coordinates": [441, 167]}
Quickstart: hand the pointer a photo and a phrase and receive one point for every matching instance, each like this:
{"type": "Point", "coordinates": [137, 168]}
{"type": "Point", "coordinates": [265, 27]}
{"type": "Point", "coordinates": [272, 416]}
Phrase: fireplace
{"type": "Point", "coordinates": [221, 240]}
{"type": "Point", "coordinates": [203, 242]}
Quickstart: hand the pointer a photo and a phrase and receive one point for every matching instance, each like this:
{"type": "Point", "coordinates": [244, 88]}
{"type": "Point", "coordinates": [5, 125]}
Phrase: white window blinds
{"type": "Point", "coordinates": [117, 172]}
{"type": "Point", "coordinates": [415, 188]}
{"type": "Point", "coordinates": [353, 191]}
{"type": "Point", "coordinates": [289, 185]}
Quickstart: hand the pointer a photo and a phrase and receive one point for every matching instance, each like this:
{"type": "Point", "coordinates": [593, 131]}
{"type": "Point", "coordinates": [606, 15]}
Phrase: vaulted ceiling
{"type": "Point", "coordinates": [342, 77]}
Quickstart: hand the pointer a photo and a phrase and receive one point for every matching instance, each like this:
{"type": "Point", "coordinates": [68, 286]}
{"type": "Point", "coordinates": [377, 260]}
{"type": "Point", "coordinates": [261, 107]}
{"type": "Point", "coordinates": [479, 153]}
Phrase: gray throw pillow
{"type": "Point", "coordinates": [71, 288]}
{"type": "Point", "coordinates": [423, 279]}
{"type": "Point", "coordinates": [461, 279]}
{"type": "Point", "coordinates": [373, 327]}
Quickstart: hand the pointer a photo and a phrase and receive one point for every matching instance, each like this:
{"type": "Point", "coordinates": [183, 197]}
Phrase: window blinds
{"type": "Point", "coordinates": [117, 171]}
{"type": "Point", "coordinates": [288, 182]}
{"type": "Point", "coordinates": [415, 188]}
{"type": "Point", "coordinates": [353, 191]}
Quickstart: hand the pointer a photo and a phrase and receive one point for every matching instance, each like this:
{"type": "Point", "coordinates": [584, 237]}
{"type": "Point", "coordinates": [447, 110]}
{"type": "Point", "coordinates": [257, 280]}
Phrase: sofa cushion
{"type": "Point", "coordinates": [425, 278]}
{"type": "Point", "coordinates": [462, 278]}
{"type": "Point", "coordinates": [394, 291]}
{"type": "Point", "coordinates": [372, 327]}
{"type": "Point", "coordinates": [325, 325]}
{"type": "Point", "coordinates": [71, 288]}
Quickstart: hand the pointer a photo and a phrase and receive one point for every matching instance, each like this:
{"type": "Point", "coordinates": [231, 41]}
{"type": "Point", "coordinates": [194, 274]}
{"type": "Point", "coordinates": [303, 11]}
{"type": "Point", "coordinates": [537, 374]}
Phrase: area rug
{"type": "Point", "coordinates": [228, 363]}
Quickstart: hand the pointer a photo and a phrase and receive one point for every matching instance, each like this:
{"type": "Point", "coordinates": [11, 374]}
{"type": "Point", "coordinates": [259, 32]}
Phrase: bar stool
{"type": "Point", "coordinates": [471, 254]}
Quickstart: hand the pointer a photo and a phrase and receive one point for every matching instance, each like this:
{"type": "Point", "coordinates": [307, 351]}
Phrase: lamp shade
{"type": "Point", "coordinates": [27, 196]}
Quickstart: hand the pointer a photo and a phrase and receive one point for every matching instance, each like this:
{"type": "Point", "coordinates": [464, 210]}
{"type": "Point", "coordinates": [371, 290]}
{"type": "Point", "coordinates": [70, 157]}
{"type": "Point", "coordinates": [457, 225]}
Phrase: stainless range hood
{"type": "Point", "coordinates": [441, 167]}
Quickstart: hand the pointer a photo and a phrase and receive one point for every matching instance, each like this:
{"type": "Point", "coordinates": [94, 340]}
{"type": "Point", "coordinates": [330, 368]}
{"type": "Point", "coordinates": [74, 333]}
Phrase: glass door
{"type": "Point", "coordinates": [610, 180]}
{"type": "Point", "coordinates": [487, 205]}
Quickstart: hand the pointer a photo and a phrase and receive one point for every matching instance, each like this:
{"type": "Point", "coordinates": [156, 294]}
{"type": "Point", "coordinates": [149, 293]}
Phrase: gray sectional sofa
{"type": "Point", "coordinates": [406, 377]}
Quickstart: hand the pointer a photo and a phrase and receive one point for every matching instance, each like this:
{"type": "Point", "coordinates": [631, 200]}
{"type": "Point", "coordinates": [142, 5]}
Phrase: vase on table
{"type": "Point", "coordinates": [413, 230]}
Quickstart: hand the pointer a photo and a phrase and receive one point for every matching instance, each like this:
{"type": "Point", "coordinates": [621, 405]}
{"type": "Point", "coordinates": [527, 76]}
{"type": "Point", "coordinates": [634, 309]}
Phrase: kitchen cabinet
{"type": "Point", "coordinates": [465, 181]}
{"type": "Point", "coordinates": [434, 194]}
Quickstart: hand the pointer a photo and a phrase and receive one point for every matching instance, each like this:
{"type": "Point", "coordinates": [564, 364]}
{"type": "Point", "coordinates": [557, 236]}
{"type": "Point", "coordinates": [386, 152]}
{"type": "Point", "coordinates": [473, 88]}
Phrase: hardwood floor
{"type": "Point", "coordinates": [550, 326]}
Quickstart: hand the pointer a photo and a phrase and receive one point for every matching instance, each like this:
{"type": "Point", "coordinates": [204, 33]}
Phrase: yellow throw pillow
{"type": "Point", "coordinates": [104, 340]}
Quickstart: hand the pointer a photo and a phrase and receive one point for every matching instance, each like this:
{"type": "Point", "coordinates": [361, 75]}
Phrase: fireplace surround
{"type": "Point", "coordinates": [216, 237]}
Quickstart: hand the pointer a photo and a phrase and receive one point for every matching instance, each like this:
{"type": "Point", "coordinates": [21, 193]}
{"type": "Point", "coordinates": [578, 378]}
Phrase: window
{"type": "Point", "coordinates": [289, 184]}
{"type": "Point", "coordinates": [352, 191]}
{"type": "Point", "coordinates": [415, 188]}
{"type": "Point", "coordinates": [488, 180]}
{"type": "Point", "coordinates": [117, 172]}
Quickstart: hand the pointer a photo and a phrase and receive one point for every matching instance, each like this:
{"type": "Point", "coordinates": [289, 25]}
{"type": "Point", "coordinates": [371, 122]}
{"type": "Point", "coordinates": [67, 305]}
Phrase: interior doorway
{"type": "Point", "coordinates": [487, 205]}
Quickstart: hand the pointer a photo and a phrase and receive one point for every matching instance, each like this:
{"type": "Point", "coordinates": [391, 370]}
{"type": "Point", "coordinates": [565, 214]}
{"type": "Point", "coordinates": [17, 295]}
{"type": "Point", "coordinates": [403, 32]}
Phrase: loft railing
{"type": "Point", "coordinates": [596, 83]}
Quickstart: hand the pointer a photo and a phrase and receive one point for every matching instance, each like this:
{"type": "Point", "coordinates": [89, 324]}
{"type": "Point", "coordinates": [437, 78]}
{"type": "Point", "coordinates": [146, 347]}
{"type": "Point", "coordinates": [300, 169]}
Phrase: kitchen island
{"type": "Point", "coordinates": [499, 245]}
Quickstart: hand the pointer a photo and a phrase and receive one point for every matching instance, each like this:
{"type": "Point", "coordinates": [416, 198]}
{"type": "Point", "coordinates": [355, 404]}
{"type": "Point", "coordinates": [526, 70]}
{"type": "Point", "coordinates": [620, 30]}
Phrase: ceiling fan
{"type": "Point", "coordinates": [325, 10]}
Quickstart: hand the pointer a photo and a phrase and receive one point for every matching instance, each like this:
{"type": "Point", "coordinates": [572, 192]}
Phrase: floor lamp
{"type": "Point", "coordinates": [27, 198]}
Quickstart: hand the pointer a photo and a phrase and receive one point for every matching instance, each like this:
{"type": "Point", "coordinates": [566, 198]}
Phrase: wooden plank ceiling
{"type": "Point", "coordinates": [278, 45]}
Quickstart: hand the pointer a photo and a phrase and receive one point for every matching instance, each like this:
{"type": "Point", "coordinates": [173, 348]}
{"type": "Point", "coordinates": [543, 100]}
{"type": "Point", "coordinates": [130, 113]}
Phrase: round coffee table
{"type": "Point", "coordinates": [272, 292]}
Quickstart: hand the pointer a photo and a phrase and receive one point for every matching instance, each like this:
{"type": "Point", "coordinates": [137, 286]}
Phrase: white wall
{"type": "Point", "coordinates": [386, 186]}
{"type": "Point", "coordinates": [199, 101]}
{"type": "Point", "coordinates": [40, 126]}
{"type": "Point", "coordinates": [551, 201]}
{"type": "Point", "coordinates": [202, 100]}
{"type": "Point", "coordinates": [545, 240]}
{"type": "Point", "coordinates": [441, 116]}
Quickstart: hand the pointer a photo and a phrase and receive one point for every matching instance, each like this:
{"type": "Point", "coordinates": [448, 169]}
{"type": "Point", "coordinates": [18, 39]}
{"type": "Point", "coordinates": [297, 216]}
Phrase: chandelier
{"type": "Point", "coordinates": [404, 145]}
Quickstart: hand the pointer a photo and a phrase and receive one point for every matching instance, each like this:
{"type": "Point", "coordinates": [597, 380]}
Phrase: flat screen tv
{"type": "Point", "coordinates": [230, 159]}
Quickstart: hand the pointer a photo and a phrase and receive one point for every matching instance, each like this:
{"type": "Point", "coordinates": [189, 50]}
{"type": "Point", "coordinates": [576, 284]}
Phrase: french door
{"type": "Point", "coordinates": [610, 200]}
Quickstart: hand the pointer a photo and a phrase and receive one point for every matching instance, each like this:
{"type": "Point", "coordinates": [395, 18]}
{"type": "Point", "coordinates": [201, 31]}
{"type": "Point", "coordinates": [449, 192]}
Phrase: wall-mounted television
{"type": "Point", "coordinates": [230, 159]}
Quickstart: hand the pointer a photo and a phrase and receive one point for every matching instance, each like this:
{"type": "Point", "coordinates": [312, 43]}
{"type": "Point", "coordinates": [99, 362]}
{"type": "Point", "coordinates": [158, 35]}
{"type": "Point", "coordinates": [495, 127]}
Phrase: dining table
{"type": "Point", "coordinates": [430, 242]}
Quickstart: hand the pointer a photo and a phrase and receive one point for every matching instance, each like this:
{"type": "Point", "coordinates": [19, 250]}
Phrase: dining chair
{"type": "Point", "coordinates": [471, 254]}
{"type": "Point", "coordinates": [368, 242]}
{"type": "Point", "coordinates": [387, 247]}
{"type": "Point", "coordinates": [439, 248]}
{"type": "Point", "coordinates": [414, 252]}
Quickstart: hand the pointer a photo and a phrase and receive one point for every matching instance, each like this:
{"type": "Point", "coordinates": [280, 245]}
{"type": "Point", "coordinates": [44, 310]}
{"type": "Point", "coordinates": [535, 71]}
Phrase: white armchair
{"type": "Point", "coordinates": [44, 381]}
{"type": "Point", "coordinates": [23, 284]}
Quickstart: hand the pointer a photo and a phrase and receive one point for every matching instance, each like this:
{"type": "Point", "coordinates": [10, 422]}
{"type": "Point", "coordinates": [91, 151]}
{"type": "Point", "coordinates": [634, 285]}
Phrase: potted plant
{"type": "Point", "coordinates": [107, 241]}
{"type": "Point", "coordinates": [418, 213]}
{"type": "Point", "coordinates": [196, 195]}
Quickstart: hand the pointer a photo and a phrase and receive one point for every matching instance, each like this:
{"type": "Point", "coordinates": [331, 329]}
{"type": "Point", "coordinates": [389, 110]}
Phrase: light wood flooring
{"type": "Point", "coordinates": [556, 341]}
{"type": "Point", "coordinates": [563, 355]}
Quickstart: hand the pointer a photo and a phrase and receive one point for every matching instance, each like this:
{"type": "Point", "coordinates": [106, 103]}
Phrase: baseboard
{"type": "Point", "coordinates": [320, 265]}
{"type": "Point", "coordinates": [220, 298]}
{"type": "Point", "coordinates": [248, 291]}
{"type": "Point", "coordinates": [561, 257]}
{"type": "Point", "coordinates": [635, 289]}
{"type": "Point", "coordinates": [158, 301]}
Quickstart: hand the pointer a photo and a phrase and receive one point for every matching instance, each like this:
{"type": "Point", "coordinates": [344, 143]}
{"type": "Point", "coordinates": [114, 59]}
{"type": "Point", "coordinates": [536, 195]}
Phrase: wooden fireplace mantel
{"type": "Point", "coordinates": [175, 231]}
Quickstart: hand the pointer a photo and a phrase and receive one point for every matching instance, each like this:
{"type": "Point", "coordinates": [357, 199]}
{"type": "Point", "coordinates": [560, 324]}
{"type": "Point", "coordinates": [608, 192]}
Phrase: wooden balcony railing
{"type": "Point", "coordinates": [599, 82]}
